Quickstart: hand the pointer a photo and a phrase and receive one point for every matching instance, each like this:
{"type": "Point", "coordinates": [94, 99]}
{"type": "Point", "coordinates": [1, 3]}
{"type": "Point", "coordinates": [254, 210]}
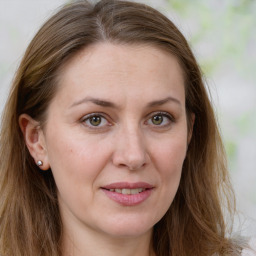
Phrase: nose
{"type": "Point", "coordinates": [130, 150]}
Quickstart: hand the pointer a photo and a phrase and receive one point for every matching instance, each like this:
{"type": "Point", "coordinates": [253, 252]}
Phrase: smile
{"type": "Point", "coordinates": [128, 194]}
{"type": "Point", "coordinates": [127, 191]}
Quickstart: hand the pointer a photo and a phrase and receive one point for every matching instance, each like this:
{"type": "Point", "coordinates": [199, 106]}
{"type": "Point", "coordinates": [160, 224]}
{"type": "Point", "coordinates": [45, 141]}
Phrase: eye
{"type": "Point", "coordinates": [161, 119]}
{"type": "Point", "coordinates": [157, 119]}
{"type": "Point", "coordinates": [95, 120]}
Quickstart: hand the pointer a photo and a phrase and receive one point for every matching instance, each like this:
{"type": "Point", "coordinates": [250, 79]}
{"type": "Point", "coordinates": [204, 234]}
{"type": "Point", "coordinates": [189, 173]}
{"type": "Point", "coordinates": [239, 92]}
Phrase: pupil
{"type": "Point", "coordinates": [157, 120]}
{"type": "Point", "coordinates": [95, 120]}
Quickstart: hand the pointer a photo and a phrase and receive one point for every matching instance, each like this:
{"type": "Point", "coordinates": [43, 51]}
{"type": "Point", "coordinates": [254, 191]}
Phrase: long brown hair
{"type": "Point", "coordinates": [30, 223]}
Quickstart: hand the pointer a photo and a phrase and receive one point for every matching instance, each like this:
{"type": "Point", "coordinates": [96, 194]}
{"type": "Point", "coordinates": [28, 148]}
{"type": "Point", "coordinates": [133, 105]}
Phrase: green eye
{"type": "Point", "coordinates": [160, 120]}
{"type": "Point", "coordinates": [157, 119]}
{"type": "Point", "coordinates": [95, 120]}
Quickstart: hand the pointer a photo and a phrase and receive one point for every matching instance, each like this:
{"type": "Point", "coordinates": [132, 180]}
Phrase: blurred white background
{"type": "Point", "coordinates": [222, 35]}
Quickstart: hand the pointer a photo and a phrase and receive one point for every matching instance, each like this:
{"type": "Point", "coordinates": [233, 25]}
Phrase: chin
{"type": "Point", "coordinates": [129, 232]}
{"type": "Point", "coordinates": [123, 226]}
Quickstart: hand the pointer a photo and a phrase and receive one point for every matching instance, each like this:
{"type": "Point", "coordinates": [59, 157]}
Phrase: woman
{"type": "Point", "coordinates": [109, 142]}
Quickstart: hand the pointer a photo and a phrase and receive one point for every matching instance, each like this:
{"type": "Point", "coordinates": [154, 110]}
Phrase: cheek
{"type": "Point", "coordinates": [169, 155]}
{"type": "Point", "coordinates": [76, 164]}
{"type": "Point", "coordinates": [168, 159]}
{"type": "Point", "coordinates": [75, 159]}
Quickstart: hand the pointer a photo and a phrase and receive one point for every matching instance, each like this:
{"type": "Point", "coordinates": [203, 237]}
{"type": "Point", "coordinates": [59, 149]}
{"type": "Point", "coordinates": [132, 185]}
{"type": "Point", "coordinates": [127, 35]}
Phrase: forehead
{"type": "Point", "coordinates": [106, 68]}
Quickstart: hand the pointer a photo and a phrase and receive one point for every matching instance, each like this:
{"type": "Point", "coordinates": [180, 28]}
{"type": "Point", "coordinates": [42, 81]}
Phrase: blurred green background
{"type": "Point", "coordinates": [222, 35]}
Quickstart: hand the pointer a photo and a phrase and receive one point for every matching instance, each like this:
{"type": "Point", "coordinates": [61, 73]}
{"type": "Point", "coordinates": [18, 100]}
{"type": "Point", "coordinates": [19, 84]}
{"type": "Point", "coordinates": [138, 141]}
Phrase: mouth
{"type": "Point", "coordinates": [128, 191]}
{"type": "Point", "coordinates": [128, 194]}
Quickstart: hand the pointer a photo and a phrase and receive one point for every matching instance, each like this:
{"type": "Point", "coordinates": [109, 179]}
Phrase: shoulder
{"type": "Point", "coordinates": [251, 250]}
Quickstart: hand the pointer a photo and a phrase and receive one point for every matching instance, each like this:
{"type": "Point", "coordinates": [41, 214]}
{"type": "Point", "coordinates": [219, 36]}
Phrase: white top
{"type": "Point", "coordinates": [252, 250]}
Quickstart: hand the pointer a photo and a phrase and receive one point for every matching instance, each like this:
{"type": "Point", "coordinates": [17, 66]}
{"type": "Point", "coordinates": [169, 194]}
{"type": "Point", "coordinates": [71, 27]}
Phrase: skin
{"type": "Point", "coordinates": [139, 82]}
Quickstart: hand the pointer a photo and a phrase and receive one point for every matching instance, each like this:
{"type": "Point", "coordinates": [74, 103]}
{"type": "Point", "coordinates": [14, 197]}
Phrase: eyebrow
{"type": "Point", "coordinates": [105, 103]}
{"type": "Point", "coordinates": [96, 101]}
{"type": "Point", "coordinates": [163, 101]}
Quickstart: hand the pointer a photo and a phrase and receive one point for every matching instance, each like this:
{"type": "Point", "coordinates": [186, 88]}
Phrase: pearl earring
{"type": "Point", "coordinates": [39, 163]}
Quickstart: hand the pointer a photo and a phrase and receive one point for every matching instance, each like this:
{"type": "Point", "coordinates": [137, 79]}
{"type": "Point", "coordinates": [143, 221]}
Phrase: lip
{"type": "Point", "coordinates": [130, 199]}
{"type": "Point", "coordinates": [129, 185]}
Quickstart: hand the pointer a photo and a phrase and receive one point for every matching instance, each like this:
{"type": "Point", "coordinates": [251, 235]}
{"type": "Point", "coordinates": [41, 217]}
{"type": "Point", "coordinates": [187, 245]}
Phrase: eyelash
{"type": "Point", "coordinates": [102, 116]}
{"type": "Point", "coordinates": [164, 115]}
{"type": "Point", "coordinates": [92, 115]}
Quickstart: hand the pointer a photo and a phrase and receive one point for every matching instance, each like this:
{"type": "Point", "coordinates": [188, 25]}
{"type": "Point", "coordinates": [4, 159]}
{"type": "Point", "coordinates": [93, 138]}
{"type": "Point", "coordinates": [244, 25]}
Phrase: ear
{"type": "Point", "coordinates": [191, 126]}
{"type": "Point", "coordinates": [34, 139]}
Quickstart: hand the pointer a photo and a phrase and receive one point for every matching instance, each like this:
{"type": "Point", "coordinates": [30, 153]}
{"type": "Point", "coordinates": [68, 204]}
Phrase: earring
{"type": "Point", "coordinates": [39, 163]}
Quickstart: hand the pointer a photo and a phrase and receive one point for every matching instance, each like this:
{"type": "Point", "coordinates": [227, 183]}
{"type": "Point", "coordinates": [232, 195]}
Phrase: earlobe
{"type": "Point", "coordinates": [35, 140]}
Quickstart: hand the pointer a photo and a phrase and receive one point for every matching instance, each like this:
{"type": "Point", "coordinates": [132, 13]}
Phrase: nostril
{"type": "Point", "coordinates": [128, 162]}
{"type": "Point", "coordinates": [136, 167]}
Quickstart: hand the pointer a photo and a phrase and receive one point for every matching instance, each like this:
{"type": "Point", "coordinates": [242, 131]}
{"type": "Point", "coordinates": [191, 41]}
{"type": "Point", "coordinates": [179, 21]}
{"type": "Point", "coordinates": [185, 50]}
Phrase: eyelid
{"type": "Point", "coordinates": [163, 113]}
{"type": "Point", "coordinates": [100, 114]}
{"type": "Point", "coordinates": [110, 123]}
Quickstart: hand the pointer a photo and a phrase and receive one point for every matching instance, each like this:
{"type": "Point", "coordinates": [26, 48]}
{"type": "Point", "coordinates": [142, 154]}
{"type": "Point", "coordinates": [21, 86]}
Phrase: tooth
{"type": "Point", "coordinates": [134, 191]}
{"type": "Point", "coordinates": [126, 191]}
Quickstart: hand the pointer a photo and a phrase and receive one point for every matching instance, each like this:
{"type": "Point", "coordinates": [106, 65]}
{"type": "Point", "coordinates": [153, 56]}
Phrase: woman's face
{"type": "Point", "coordinates": [116, 138]}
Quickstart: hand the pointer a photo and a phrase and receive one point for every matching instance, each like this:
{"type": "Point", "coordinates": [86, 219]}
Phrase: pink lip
{"type": "Point", "coordinates": [121, 185]}
{"type": "Point", "coordinates": [128, 200]}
